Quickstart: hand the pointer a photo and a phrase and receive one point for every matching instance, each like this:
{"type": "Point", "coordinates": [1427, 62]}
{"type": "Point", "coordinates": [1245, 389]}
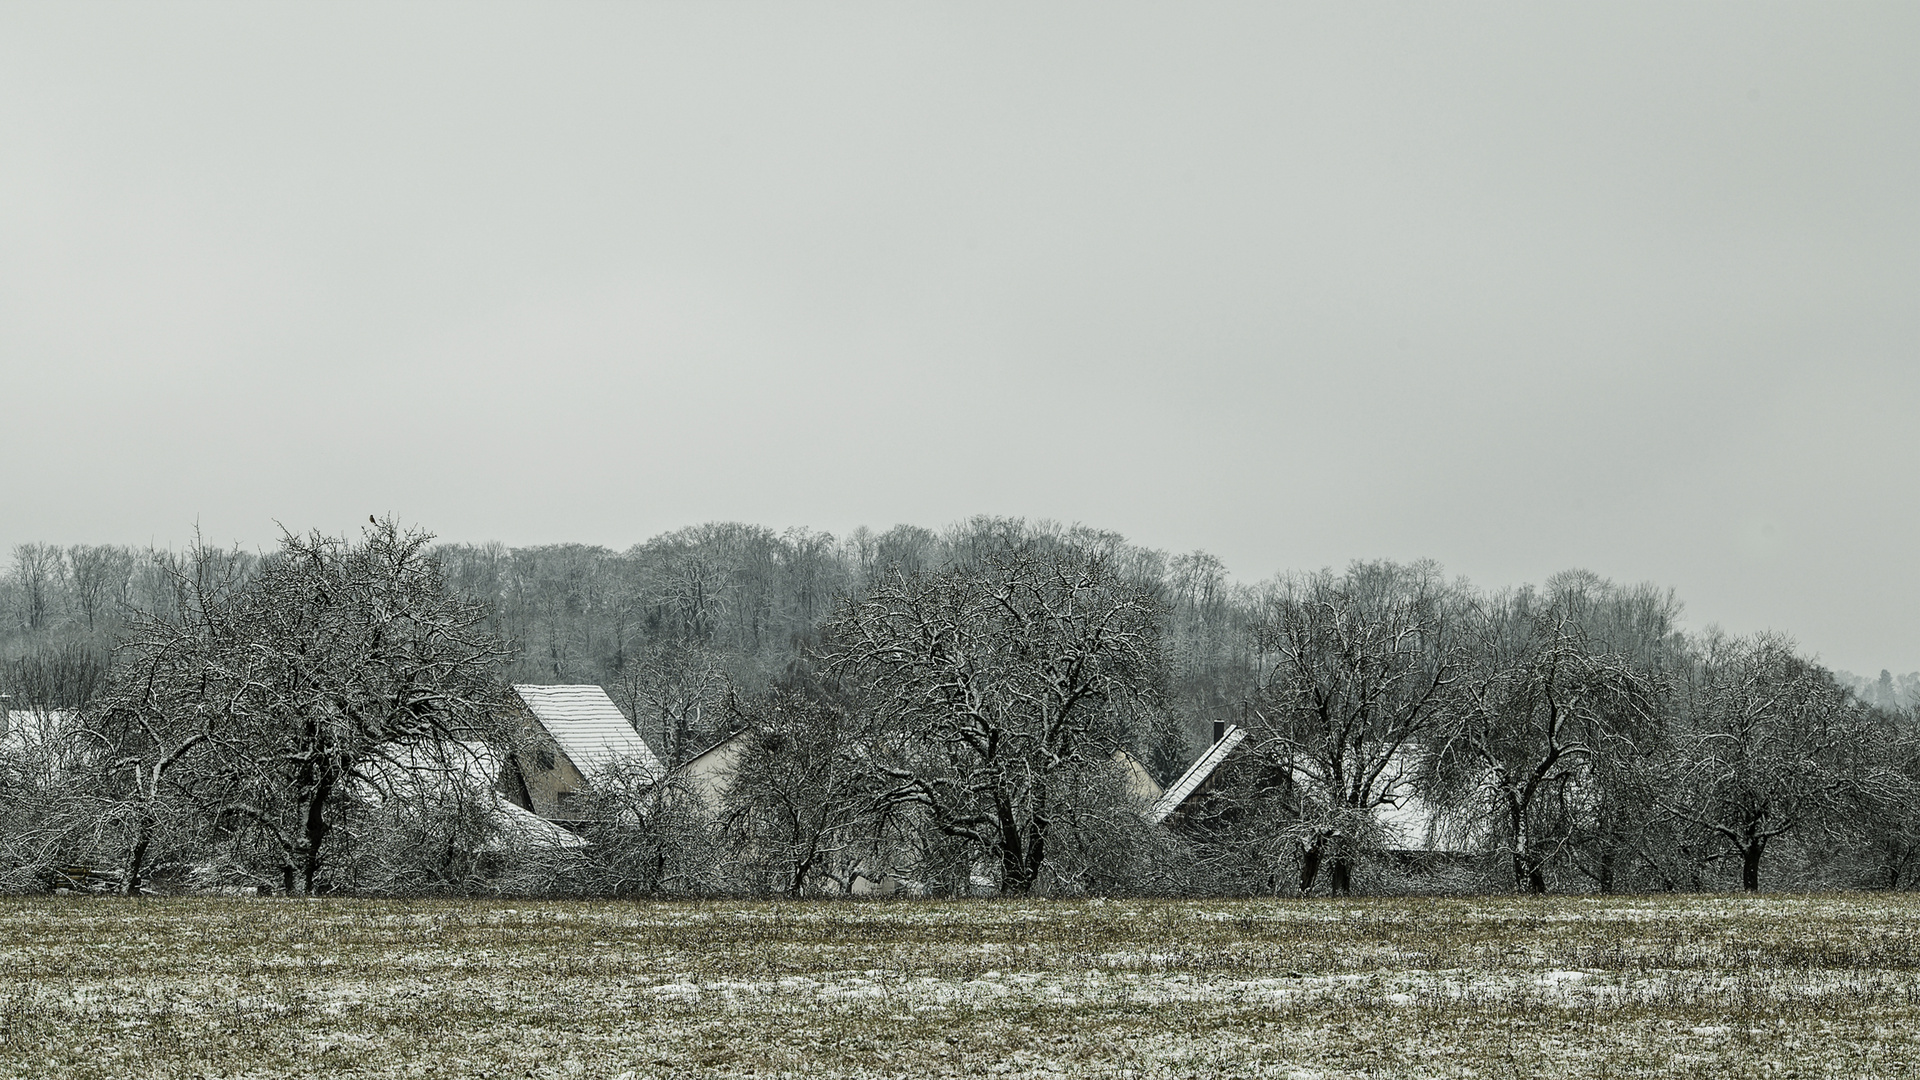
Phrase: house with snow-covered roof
{"type": "Point", "coordinates": [1405, 826]}
{"type": "Point", "coordinates": [570, 736]}
{"type": "Point", "coordinates": [1226, 739]}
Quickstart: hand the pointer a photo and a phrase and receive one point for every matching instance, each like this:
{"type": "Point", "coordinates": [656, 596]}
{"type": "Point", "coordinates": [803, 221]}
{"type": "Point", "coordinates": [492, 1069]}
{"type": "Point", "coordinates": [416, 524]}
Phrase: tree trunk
{"type": "Point", "coordinates": [136, 860]}
{"type": "Point", "coordinates": [1310, 864]}
{"type": "Point", "coordinates": [1036, 851]}
{"type": "Point", "coordinates": [1527, 875]}
{"type": "Point", "coordinates": [1606, 871]}
{"type": "Point", "coordinates": [1014, 880]}
{"type": "Point", "coordinates": [1342, 874]}
{"type": "Point", "coordinates": [796, 884]}
{"type": "Point", "coordinates": [1750, 865]}
{"type": "Point", "coordinates": [317, 828]}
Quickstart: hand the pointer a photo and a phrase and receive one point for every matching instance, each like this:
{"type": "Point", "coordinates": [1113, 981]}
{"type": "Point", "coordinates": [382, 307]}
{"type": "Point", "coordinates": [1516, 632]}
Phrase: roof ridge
{"type": "Point", "coordinates": [1196, 774]}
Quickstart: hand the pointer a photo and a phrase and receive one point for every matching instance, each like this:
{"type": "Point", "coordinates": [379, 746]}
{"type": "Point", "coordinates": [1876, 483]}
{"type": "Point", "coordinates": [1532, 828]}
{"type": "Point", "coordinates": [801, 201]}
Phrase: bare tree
{"type": "Point", "coordinates": [101, 575]}
{"type": "Point", "coordinates": [154, 719]}
{"type": "Point", "coordinates": [49, 820]}
{"type": "Point", "coordinates": [689, 583]}
{"type": "Point", "coordinates": [1359, 670]}
{"type": "Point", "coordinates": [803, 808]}
{"type": "Point", "coordinates": [1539, 702]}
{"type": "Point", "coordinates": [37, 571]}
{"type": "Point", "coordinates": [815, 576]}
{"type": "Point", "coordinates": [679, 695]}
{"type": "Point", "coordinates": [1768, 744]}
{"type": "Point", "coordinates": [1003, 683]}
{"type": "Point", "coordinates": [331, 660]}
{"type": "Point", "coordinates": [908, 549]}
{"type": "Point", "coordinates": [644, 837]}
{"type": "Point", "coordinates": [63, 677]}
{"type": "Point", "coordinates": [1882, 823]}
{"type": "Point", "coordinates": [1210, 651]}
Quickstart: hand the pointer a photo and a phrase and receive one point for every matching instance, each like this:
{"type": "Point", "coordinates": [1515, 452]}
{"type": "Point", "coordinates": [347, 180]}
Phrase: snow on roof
{"type": "Point", "coordinates": [23, 726]}
{"type": "Point", "coordinates": [1196, 774]}
{"type": "Point", "coordinates": [452, 770]}
{"type": "Point", "coordinates": [589, 728]}
{"type": "Point", "coordinates": [1409, 820]}
{"type": "Point", "coordinates": [527, 827]}
{"type": "Point", "coordinates": [47, 738]}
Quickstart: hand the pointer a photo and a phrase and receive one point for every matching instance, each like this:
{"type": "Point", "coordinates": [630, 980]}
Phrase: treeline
{"type": "Point", "coordinates": [672, 627]}
{"type": "Point", "coordinates": [1888, 691]}
{"type": "Point", "coordinates": [954, 709]}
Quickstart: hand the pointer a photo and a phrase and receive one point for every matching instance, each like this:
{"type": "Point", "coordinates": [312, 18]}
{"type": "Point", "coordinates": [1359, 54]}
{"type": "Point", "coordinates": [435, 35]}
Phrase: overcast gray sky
{"type": "Point", "coordinates": [1518, 288]}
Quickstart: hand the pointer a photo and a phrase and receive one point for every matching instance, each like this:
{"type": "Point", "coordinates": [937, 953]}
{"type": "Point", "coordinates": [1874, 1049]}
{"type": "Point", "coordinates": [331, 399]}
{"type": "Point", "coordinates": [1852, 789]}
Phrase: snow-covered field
{"type": "Point", "coordinates": [1703, 986]}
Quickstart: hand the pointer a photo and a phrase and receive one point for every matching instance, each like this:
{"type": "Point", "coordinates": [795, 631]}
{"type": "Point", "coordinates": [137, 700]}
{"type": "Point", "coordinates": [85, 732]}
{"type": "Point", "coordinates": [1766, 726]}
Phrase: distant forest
{"type": "Point", "coordinates": [674, 626]}
{"type": "Point", "coordinates": [670, 627]}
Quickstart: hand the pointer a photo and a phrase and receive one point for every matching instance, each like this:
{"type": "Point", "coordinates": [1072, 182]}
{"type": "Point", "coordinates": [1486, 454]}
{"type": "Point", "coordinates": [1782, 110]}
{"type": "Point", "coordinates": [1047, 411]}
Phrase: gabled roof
{"type": "Point", "coordinates": [589, 728]}
{"type": "Point", "coordinates": [1196, 774]}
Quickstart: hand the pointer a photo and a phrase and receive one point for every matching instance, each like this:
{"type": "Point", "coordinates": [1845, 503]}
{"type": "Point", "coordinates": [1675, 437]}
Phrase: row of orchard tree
{"type": "Point", "coordinates": [957, 710]}
{"type": "Point", "coordinates": [1571, 731]}
{"type": "Point", "coordinates": [1401, 729]}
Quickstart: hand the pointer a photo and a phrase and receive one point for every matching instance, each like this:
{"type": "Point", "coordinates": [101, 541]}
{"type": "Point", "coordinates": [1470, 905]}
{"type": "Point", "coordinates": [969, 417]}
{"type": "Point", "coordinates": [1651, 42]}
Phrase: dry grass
{"type": "Point", "coordinates": [1800, 986]}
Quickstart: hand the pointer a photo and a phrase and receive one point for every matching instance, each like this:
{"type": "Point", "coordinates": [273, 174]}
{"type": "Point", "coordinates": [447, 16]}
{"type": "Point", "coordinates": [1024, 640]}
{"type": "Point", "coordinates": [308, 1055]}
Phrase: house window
{"type": "Point", "coordinates": [543, 758]}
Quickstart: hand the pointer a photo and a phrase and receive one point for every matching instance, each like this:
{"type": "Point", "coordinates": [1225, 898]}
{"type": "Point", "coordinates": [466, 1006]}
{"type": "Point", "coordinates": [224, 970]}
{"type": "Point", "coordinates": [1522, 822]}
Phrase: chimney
{"type": "Point", "coordinates": [1219, 730]}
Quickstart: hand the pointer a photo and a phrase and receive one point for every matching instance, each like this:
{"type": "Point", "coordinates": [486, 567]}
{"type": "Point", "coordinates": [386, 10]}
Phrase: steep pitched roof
{"type": "Point", "coordinates": [589, 728]}
{"type": "Point", "coordinates": [1196, 774]}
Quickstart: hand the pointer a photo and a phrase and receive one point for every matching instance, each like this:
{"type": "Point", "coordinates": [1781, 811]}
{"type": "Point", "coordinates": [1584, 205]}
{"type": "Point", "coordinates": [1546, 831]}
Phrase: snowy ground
{"type": "Point", "coordinates": [1795, 986]}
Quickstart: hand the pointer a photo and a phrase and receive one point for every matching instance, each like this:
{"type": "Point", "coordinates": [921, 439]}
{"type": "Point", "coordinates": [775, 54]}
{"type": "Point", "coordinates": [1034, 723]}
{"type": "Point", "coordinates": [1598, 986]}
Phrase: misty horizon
{"type": "Point", "coordinates": [1905, 670]}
